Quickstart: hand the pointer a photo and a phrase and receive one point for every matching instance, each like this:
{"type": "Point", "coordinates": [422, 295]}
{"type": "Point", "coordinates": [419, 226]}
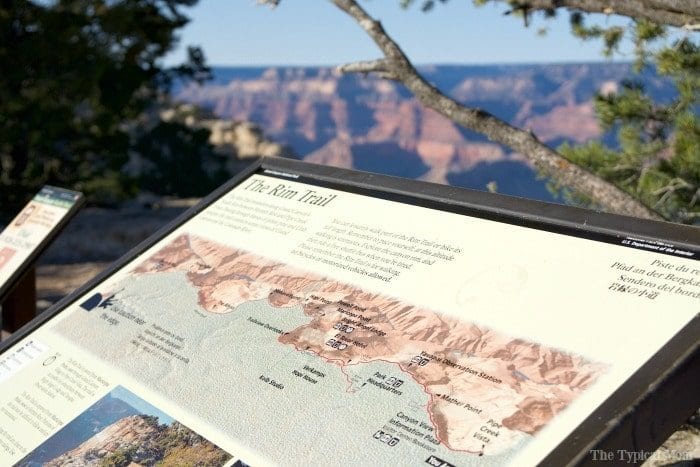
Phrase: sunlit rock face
{"type": "Point", "coordinates": [370, 124]}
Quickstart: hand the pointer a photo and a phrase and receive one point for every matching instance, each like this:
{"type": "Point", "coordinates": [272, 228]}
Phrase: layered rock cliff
{"type": "Point", "coordinates": [376, 125]}
{"type": "Point", "coordinates": [141, 440]}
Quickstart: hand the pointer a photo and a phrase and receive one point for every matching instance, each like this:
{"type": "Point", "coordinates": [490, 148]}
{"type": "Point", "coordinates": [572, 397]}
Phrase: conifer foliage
{"type": "Point", "coordinates": [77, 82]}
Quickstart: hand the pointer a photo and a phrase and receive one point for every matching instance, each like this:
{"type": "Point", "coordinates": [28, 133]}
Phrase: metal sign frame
{"type": "Point", "coordinates": [7, 287]}
{"type": "Point", "coordinates": [638, 416]}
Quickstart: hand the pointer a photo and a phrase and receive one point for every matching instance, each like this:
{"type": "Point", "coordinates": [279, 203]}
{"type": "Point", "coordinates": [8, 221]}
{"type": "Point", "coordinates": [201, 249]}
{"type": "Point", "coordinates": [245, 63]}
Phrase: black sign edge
{"type": "Point", "coordinates": [25, 266]}
{"type": "Point", "coordinates": [596, 431]}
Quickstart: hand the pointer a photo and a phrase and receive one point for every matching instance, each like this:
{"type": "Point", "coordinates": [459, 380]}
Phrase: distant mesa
{"type": "Point", "coordinates": [371, 124]}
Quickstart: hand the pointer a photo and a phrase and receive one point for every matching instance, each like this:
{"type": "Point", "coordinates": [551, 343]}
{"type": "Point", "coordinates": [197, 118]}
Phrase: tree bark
{"type": "Point", "coordinates": [679, 13]}
{"type": "Point", "coordinates": [397, 66]}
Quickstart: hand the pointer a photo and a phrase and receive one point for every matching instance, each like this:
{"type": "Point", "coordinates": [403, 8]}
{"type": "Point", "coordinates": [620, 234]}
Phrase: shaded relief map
{"type": "Point", "coordinates": [440, 388]}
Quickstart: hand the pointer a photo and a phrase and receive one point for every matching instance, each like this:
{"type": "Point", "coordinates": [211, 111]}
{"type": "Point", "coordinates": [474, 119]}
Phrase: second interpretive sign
{"type": "Point", "coordinates": [292, 321]}
{"type": "Point", "coordinates": [23, 239]}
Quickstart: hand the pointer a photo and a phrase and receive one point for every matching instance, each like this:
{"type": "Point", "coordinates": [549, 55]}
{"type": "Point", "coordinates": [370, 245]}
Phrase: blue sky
{"type": "Point", "coordinates": [314, 32]}
{"type": "Point", "coordinates": [140, 404]}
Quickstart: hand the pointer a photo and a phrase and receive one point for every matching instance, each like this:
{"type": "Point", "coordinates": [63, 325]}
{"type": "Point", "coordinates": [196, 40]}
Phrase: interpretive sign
{"type": "Point", "coordinates": [306, 315]}
{"type": "Point", "coordinates": [32, 230]}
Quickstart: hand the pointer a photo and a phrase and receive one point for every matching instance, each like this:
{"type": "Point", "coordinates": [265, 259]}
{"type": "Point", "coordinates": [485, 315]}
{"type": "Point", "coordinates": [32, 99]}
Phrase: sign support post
{"type": "Point", "coordinates": [21, 244]}
{"type": "Point", "coordinates": [19, 307]}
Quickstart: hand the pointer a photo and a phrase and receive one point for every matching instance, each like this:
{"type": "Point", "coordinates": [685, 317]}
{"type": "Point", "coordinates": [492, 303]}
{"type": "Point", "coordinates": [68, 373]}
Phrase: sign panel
{"type": "Point", "coordinates": [298, 321]}
{"type": "Point", "coordinates": [33, 228]}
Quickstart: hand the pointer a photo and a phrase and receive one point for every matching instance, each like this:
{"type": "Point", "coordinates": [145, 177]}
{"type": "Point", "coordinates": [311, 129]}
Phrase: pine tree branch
{"type": "Point", "coordinates": [544, 158]}
{"type": "Point", "coordinates": [679, 13]}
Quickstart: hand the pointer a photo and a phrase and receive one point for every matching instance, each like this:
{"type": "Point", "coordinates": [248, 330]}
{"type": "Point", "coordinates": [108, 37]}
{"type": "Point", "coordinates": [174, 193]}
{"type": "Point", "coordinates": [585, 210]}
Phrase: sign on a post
{"type": "Point", "coordinates": [26, 236]}
{"type": "Point", "coordinates": [305, 315]}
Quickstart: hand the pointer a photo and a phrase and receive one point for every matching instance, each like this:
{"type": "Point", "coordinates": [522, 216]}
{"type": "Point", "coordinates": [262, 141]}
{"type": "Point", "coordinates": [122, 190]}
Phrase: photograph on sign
{"type": "Point", "coordinates": [290, 322]}
{"type": "Point", "coordinates": [122, 428]}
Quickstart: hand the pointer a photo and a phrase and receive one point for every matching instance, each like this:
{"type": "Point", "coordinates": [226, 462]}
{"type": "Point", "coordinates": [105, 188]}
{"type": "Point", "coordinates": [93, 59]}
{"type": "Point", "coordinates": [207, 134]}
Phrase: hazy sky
{"type": "Point", "coordinates": [141, 405]}
{"type": "Point", "coordinates": [314, 32]}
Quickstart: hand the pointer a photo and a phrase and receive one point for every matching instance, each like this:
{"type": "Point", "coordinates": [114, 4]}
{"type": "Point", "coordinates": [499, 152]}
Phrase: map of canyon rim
{"type": "Point", "coordinates": [478, 393]}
